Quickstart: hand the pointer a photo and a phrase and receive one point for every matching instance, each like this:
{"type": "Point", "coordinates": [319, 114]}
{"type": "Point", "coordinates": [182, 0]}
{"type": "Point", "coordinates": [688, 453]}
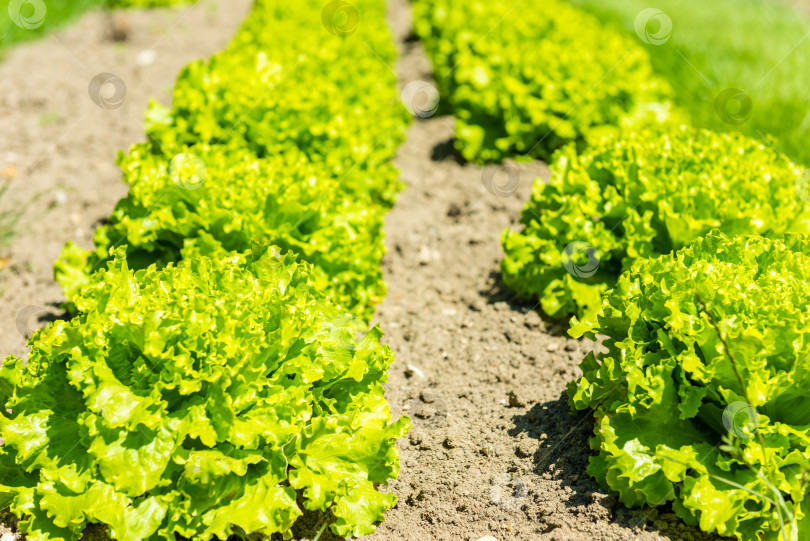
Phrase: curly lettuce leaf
{"type": "Point", "coordinates": [522, 82]}
{"type": "Point", "coordinates": [638, 195]}
{"type": "Point", "coordinates": [672, 421]}
{"type": "Point", "coordinates": [198, 399]}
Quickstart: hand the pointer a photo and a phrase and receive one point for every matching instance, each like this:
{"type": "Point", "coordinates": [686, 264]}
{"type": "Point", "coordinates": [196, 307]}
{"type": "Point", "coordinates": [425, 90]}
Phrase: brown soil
{"type": "Point", "coordinates": [57, 144]}
{"type": "Point", "coordinates": [494, 450]}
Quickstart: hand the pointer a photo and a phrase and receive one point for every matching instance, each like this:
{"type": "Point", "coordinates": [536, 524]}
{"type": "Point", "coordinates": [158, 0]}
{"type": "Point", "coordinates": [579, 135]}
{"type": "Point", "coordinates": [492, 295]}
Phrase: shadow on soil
{"type": "Point", "coordinates": [564, 453]}
{"type": "Point", "coordinates": [446, 150]}
{"type": "Point", "coordinates": [499, 292]}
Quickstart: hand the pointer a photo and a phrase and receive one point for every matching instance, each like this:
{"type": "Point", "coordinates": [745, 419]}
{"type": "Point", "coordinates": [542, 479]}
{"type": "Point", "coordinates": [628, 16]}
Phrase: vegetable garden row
{"type": "Point", "coordinates": [212, 380]}
{"type": "Point", "coordinates": [682, 246]}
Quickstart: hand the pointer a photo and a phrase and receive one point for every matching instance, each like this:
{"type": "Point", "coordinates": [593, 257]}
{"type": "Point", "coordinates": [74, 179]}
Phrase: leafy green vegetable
{"type": "Point", "coordinates": [286, 136]}
{"type": "Point", "coordinates": [701, 395]}
{"type": "Point", "coordinates": [286, 83]}
{"type": "Point", "coordinates": [208, 384]}
{"type": "Point", "coordinates": [197, 400]}
{"type": "Point", "coordinates": [528, 81]}
{"type": "Point", "coordinates": [234, 198]}
{"type": "Point", "coordinates": [639, 194]}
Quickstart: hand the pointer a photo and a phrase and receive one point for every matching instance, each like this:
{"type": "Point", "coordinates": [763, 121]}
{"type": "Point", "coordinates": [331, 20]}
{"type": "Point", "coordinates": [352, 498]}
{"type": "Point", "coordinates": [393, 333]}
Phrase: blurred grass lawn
{"type": "Point", "coordinates": [33, 25]}
{"type": "Point", "coordinates": [761, 47]}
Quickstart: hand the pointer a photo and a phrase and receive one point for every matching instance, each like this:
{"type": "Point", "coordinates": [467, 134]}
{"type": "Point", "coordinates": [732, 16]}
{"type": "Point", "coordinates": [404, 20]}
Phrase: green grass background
{"type": "Point", "coordinates": [58, 13]}
{"type": "Point", "coordinates": [761, 47]}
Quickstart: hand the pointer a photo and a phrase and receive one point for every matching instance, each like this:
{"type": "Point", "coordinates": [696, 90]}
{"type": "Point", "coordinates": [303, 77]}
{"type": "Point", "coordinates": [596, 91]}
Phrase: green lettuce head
{"type": "Point", "coordinates": [638, 195]}
{"type": "Point", "coordinates": [198, 400]}
{"type": "Point", "coordinates": [700, 396]}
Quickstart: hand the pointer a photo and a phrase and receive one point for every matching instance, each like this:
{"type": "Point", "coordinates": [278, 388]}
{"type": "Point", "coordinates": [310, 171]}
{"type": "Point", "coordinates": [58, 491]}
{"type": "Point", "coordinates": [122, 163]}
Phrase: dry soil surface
{"type": "Point", "coordinates": [58, 145]}
{"type": "Point", "coordinates": [494, 450]}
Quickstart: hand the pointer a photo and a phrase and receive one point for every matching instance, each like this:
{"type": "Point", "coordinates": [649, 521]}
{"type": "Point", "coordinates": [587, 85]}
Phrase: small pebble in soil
{"type": "Point", "coordinates": [427, 255]}
{"type": "Point", "coordinates": [488, 538]}
{"type": "Point", "coordinates": [532, 320]}
{"type": "Point", "coordinates": [414, 371]}
{"type": "Point", "coordinates": [524, 449]}
{"type": "Point", "coordinates": [425, 413]}
{"type": "Point", "coordinates": [515, 401]}
{"type": "Point", "coordinates": [59, 197]}
{"type": "Point", "coordinates": [427, 396]}
{"type": "Point", "coordinates": [146, 58]}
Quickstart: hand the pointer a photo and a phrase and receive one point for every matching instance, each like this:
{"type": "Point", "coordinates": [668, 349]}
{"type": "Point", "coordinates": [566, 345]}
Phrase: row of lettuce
{"type": "Point", "coordinates": [212, 382]}
{"type": "Point", "coordinates": [682, 246]}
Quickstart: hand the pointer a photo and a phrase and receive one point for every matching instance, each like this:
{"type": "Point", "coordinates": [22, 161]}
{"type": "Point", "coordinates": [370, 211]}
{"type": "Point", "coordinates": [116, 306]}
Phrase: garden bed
{"type": "Point", "coordinates": [494, 450]}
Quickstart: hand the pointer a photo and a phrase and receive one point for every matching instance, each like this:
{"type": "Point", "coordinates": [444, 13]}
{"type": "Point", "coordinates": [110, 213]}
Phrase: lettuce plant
{"type": "Point", "coordinates": [230, 197]}
{"type": "Point", "coordinates": [527, 81]}
{"type": "Point", "coordinates": [285, 83]}
{"type": "Point", "coordinates": [198, 400]}
{"type": "Point", "coordinates": [639, 194]}
{"type": "Point", "coordinates": [700, 398]}
{"type": "Point", "coordinates": [287, 137]}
